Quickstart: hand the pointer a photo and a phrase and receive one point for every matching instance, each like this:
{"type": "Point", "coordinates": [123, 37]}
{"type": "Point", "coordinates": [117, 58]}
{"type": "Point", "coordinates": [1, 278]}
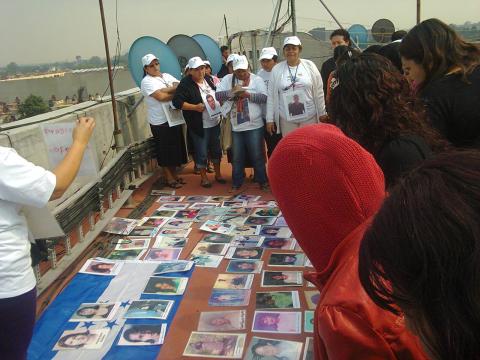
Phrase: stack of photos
{"type": "Point", "coordinates": [120, 226]}
{"type": "Point", "coordinates": [149, 309]}
{"type": "Point", "coordinates": [166, 285]}
{"type": "Point", "coordinates": [287, 322]}
{"type": "Point", "coordinates": [214, 321]}
{"type": "Point", "coordinates": [142, 334]}
{"type": "Point", "coordinates": [95, 312]}
{"type": "Point", "coordinates": [101, 267]}
{"type": "Point", "coordinates": [273, 349]}
{"type": "Point", "coordinates": [218, 345]}
{"type": "Point", "coordinates": [81, 339]}
{"type": "Point", "coordinates": [277, 300]}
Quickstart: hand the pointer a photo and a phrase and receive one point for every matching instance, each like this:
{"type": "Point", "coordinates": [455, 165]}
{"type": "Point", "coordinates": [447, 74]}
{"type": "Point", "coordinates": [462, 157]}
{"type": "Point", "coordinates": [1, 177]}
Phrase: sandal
{"type": "Point", "coordinates": [220, 180]}
{"type": "Point", "coordinates": [174, 185]}
{"type": "Point", "coordinates": [180, 180]}
{"type": "Point", "coordinates": [206, 184]}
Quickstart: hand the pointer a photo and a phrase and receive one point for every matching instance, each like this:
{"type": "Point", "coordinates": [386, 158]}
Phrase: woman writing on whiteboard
{"type": "Point", "coordinates": [23, 183]}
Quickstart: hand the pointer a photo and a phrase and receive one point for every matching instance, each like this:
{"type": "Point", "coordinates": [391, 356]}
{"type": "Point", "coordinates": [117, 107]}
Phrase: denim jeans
{"type": "Point", "coordinates": [207, 146]}
{"type": "Point", "coordinates": [248, 142]}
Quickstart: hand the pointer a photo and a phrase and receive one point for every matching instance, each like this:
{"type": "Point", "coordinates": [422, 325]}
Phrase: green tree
{"type": "Point", "coordinates": [12, 68]}
{"type": "Point", "coordinates": [33, 105]}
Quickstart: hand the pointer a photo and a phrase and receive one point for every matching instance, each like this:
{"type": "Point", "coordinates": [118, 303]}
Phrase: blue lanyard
{"type": "Point", "coordinates": [293, 77]}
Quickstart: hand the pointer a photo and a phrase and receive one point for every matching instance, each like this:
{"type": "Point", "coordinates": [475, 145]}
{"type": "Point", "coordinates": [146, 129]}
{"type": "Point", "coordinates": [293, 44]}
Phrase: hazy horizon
{"type": "Point", "coordinates": [58, 30]}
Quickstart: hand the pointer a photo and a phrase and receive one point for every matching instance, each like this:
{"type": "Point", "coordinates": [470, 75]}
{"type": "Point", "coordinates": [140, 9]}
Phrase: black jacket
{"type": "Point", "coordinates": [188, 91]}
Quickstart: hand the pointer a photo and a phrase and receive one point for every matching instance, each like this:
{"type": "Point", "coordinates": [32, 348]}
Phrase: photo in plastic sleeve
{"type": "Point", "coordinates": [188, 214]}
{"type": "Point", "coordinates": [99, 267]}
{"type": "Point", "coordinates": [95, 312]}
{"type": "Point", "coordinates": [217, 227]}
{"type": "Point", "coordinates": [217, 238]}
{"type": "Point", "coordinates": [166, 285]}
{"type": "Point", "coordinates": [178, 224]}
{"type": "Point", "coordinates": [173, 206]}
{"type": "Point", "coordinates": [201, 218]}
{"type": "Point", "coordinates": [244, 211]}
{"type": "Point", "coordinates": [217, 210]}
{"type": "Point", "coordinates": [144, 231]}
{"type": "Point", "coordinates": [308, 321]}
{"type": "Point", "coordinates": [258, 220]}
{"type": "Point", "coordinates": [211, 104]}
{"type": "Point", "coordinates": [149, 309]}
{"type": "Point", "coordinates": [174, 116]}
{"type": "Point", "coordinates": [247, 241]}
{"type": "Point", "coordinates": [170, 198]}
{"type": "Point", "coordinates": [244, 266]}
{"type": "Point", "coordinates": [240, 112]}
{"type": "Point", "coordinates": [215, 345]}
{"type": "Point", "coordinates": [273, 349]}
{"type": "Point", "coordinates": [214, 321]}
{"type": "Point", "coordinates": [120, 226]}
{"type": "Point", "coordinates": [163, 254]}
{"type": "Point", "coordinates": [275, 231]}
{"type": "Point", "coordinates": [235, 220]}
{"type": "Point", "coordinates": [281, 222]}
{"type": "Point", "coordinates": [244, 253]}
{"type": "Point", "coordinates": [197, 198]}
{"type": "Point", "coordinates": [309, 352]}
{"type": "Point", "coordinates": [286, 259]}
{"type": "Point", "coordinates": [246, 230]}
{"type": "Point", "coordinates": [169, 242]}
{"type": "Point", "coordinates": [286, 322]}
{"type": "Point", "coordinates": [295, 101]}
{"type": "Point", "coordinates": [221, 297]}
{"type": "Point", "coordinates": [266, 212]}
{"type": "Point", "coordinates": [233, 281]}
{"type": "Point", "coordinates": [234, 203]}
{"type": "Point", "coordinates": [153, 221]}
{"type": "Point", "coordinates": [142, 334]}
{"type": "Point", "coordinates": [164, 213]}
{"type": "Point", "coordinates": [132, 243]}
{"type": "Point", "coordinates": [204, 205]}
{"type": "Point", "coordinates": [210, 249]}
{"type": "Point", "coordinates": [262, 203]}
{"type": "Point", "coordinates": [312, 297]}
{"type": "Point", "coordinates": [282, 278]}
{"type": "Point", "coordinates": [210, 261]}
{"type": "Point", "coordinates": [278, 243]}
{"type": "Point", "coordinates": [169, 232]}
{"type": "Point", "coordinates": [173, 266]}
{"type": "Point", "coordinates": [131, 254]}
{"type": "Point", "coordinates": [277, 300]}
{"type": "Point", "coordinates": [246, 197]}
{"type": "Point", "coordinates": [80, 339]}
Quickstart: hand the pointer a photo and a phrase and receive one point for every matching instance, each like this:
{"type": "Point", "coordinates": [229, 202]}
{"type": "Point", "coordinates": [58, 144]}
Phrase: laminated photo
{"type": "Point", "coordinates": [247, 241]}
{"type": "Point", "coordinates": [244, 253]}
{"type": "Point", "coordinates": [170, 198]}
{"type": "Point", "coordinates": [131, 254]}
{"type": "Point", "coordinates": [210, 249]}
{"type": "Point", "coordinates": [275, 231]}
{"type": "Point", "coordinates": [188, 214]}
{"type": "Point", "coordinates": [166, 285]}
{"type": "Point", "coordinates": [235, 220]}
{"type": "Point", "coordinates": [217, 227]}
{"type": "Point", "coordinates": [144, 231]}
{"type": "Point", "coordinates": [278, 243]}
{"type": "Point", "coordinates": [163, 254]}
{"type": "Point", "coordinates": [178, 224]}
{"type": "Point", "coordinates": [174, 116]}
{"type": "Point", "coordinates": [101, 267]}
{"type": "Point", "coordinates": [287, 259]}
{"type": "Point", "coordinates": [211, 261]}
{"type": "Point", "coordinates": [258, 220]}
{"type": "Point", "coordinates": [266, 212]}
{"type": "Point", "coordinates": [164, 213]}
{"type": "Point", "coordinates": [312, 298]}
{"type": "Point", "coordinates": [173, 206]}
{"type": "Point", "coordinates": [234, 204]}
{"type": "Point", "coordinates": [215, 345]}
{"type": "Point", "coordinates": [309, 352]}
{"type": "Point", "coordinates": [246, 197]}
{"type": "Point", "coordinates": [211, 104]}
{"type": "Point", "coordinates": [170, 232]}
{"type": "Point", "coordinates": [204, 205]}
{"type": "Point", "coordinates": [246, 230]}
{"type": "Point", "coordinates": [273, 349]}
{"type": "Point", "coordinates": [277, 322]}
{"type": "Point", "coordinates": [281, 221]}
{"type": "Point", "coordinates": [142, 334]}
{"type": "Point", "coordinates": [153, 221]}
{"type": "Point", "coordinates": [165, 267]}
{"type": "Point", "coordinates": [214, 321]}
{"type": "Point", "coordinates": [170, 242]}
{"type": "Point", "coordinates": [221, 297]}
{"type": "Point", "coordinates": [197, 198]}
{"type": "Point", "coordinates": [95, 312]}
{"type": "Point", "coordinates": [149, 309]}
{"type": "Point", "coordinates": [308, 321]}
{"type": "Point", "coordinates": [245, 266]}
{"type": "Point", "coordinates": [80, 339]}
{"type": "Point", "coordinates": [262, 203]}
{"type": "Point", "coordinates": [282, 278]}
{"type": "Point", "coordinates": [217, 238]}
{"type": "Point", "coordinates": [233, 281]}
{"type": "Point", "coordinates": [120, 226]}
{"type": "Point", "coordinates": [219, 198]}
{"type": "Point", "coordinates": [277, 300]}
{"type": "Point", "coordinates": [132, 243]}
{"type": "Point", "coordinates": [295, 101]}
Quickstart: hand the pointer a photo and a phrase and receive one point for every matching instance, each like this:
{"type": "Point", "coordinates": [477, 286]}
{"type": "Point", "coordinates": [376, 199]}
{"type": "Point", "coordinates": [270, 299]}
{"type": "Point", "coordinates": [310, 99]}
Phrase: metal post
{"type": "Point", "coordinates": [226, 27]}
{"type": "Point", "coordinates": [294, 18]}
{"type": "Point", "coordinates": [275, 15]}
{"type": "Point", "coordinates": [418, 11]}
{"type": "Point", "coordinates": [116, 127]}
{"type": "Point", "coordinates": [254, 51]}
{"type": "Point", "coordinates": [68, 245]}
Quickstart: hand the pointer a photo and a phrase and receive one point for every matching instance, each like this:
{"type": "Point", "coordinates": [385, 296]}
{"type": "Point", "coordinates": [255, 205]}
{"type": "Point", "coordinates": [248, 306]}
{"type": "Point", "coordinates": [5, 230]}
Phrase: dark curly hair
{"type": "Point", "coordinates": [439, 49]}
{"type": "Point", "coordinates": [373, 104]}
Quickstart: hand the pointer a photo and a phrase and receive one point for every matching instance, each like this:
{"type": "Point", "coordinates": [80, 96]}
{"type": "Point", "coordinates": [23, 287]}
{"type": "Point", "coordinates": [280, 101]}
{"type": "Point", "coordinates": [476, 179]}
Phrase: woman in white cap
{"type": "Point", "coordinates": [158, 89]}
{"type": "Point", "coordinates": [242, 94]}
{"type": "Point", "coordinates": [295, 91]}
{"type": "Point", "coordinates": [208, 72]}
{"type": "Point", "coordinates": [195, 96]}
{"type": "Point", "coordinates": [268, 59]}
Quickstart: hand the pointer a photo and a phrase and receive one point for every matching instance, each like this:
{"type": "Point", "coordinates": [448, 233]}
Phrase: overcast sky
{"type": "Point", "coordinates": [39, 31]}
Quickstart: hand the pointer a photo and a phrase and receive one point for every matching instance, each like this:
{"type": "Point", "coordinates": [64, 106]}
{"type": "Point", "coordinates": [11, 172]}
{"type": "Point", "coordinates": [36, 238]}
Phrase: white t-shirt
{"type": "Point", "coordinates": [21, 183]}
{"type": "Point", "coordinates": [255, 86]}
{"type": "Point", "coordinates": [303, 83]}
{"type": "Point", "coordinates": [265, 75]}
{"type": "Point", "coordinates": [150, 84]}
{"type": "Point", "coordinates": [208, 121]}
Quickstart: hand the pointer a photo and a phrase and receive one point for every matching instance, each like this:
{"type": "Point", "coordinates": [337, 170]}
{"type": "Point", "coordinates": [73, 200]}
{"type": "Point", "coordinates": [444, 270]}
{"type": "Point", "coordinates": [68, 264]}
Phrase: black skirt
{"type": "Point", "coordinates": [170, 145]}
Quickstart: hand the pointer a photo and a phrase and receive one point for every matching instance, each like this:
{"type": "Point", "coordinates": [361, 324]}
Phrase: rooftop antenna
{"type": "Point", "coordinates": [418, 11]}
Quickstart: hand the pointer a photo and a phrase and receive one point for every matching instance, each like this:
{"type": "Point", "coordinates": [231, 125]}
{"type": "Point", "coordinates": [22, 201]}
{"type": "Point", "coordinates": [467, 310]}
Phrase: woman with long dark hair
{"type": "Point", "coordinates": [446, 72]}
{"type": "Point", "coordinates": [421, 254]}
{"type": "Point", "coordinates": [372, 103]}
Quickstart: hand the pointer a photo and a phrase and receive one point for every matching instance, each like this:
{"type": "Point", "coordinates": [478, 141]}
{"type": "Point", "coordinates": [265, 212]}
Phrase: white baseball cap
{"type": "Point", "coordinates": [292, 40]}
{"type": "Point", "coordinates": [195, 62]}
{"type": "Point", "coordinates": [240, 62]}
{"type": "Point", "coordinates": [147, 59]}
{"type": "Point", "coordinates": [231, 57]}
{"type": "Point", "coordinates": [206, 62]}
{"type": "Point", "coordinates": [268, 53]}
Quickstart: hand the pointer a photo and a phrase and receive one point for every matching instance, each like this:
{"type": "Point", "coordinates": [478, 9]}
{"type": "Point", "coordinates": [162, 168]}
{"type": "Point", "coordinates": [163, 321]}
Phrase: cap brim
{"type": "Point", "coordinates": [267, 56]}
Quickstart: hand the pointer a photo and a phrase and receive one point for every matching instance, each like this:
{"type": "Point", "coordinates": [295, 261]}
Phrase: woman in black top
{"type": "Point", "coordinates": [372, 103]}
{"type": "Point", "coordinates": [446, 71]}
